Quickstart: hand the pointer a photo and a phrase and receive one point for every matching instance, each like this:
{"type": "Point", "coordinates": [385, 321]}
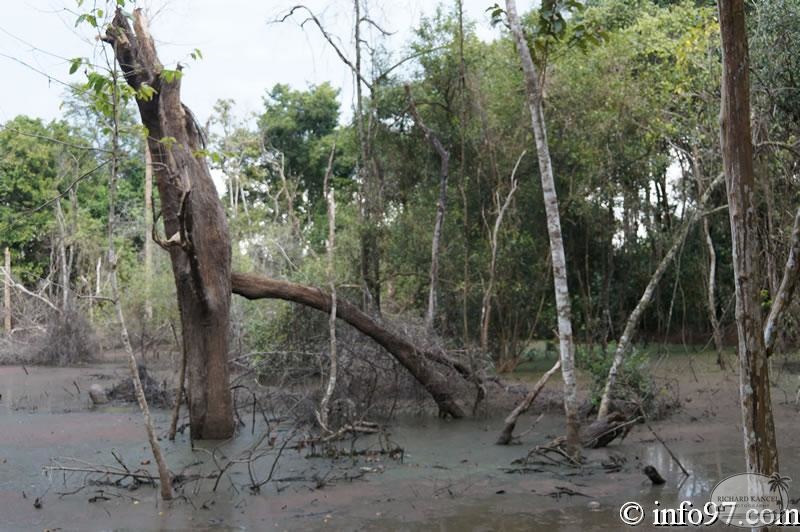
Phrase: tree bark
{"type": "Point", "coordinates": [647, 297]}
{"type": "Point", "coordinates": [533, 89]}
{"type": "Point", "coordinates": [416, 361]}
{"type": "Point", "coordinates": [194, 219]}
{"type": "Point", "coordinates": [444, 165]}
{"type": "Point", "coordinates": [761, 451]}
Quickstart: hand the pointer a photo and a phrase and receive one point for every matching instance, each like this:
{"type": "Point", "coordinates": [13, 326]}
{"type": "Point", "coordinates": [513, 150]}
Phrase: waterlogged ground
{"type": "Point", "coordinates": [451, 477]}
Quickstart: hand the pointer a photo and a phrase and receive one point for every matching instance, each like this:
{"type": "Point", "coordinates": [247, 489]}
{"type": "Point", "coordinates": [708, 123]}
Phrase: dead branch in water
{"type": "Point", "coordinates": [511, 421]}
{"type": "Point", "coordinates": [662, 442]}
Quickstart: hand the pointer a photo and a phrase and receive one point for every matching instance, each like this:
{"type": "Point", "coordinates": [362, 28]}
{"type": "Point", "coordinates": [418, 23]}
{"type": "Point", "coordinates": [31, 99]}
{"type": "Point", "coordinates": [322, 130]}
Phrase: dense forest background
{"type": "Point", "coordinates": [632, 103]}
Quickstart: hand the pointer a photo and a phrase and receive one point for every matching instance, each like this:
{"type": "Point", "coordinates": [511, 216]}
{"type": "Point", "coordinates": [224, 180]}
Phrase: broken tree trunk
{"type": "Point", "coordinates": [533, 90]}
{"type": "Point", "coordinates": [444, 165]}
{"type": "Point", "coordinates": [511, 421]}
{"type": "Point", "coordinates": [416, 361]}
{"type": "Point", "coordinates": [194, 220]}
{"type": "Point", "coordinates": [760, 444]}
{"type": "Point", "coordinates": [635, 317]}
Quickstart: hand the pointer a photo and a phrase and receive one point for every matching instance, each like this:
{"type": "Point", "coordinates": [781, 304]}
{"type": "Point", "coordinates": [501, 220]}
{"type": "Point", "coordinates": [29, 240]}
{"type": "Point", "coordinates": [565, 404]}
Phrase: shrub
{"type": "Point", "coordinates": [69, 340]}
{"type": "Point", "coordinates": [634, 382]}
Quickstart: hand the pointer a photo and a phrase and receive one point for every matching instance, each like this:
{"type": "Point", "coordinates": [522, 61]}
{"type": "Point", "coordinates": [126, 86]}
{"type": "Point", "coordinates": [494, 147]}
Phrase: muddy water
{"type": "Point", "coordinates": [452, 476]}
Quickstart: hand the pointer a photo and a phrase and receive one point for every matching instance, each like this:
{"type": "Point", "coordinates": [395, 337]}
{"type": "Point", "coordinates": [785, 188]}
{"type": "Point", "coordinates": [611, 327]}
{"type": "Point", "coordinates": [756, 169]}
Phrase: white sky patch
{"type": "Point", "coordinates": [674, 179]}
{"type": "Point", "coordinates": [243, 55]}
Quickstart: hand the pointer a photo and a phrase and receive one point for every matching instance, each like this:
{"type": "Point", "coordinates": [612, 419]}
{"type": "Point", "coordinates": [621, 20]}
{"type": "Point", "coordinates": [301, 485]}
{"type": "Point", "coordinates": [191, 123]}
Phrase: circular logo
{"type": "Point", "coordinates": [750, 500]}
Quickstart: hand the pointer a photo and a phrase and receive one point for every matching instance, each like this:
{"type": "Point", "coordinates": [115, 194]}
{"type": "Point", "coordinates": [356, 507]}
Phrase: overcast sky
{"type": "Point", "coordinates": [243, 55]}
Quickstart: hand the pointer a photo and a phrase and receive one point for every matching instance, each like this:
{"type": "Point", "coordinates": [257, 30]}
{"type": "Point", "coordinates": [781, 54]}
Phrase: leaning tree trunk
{"type": "Point", "coordinates": [625, 341]}
{"type": "Point", "coordinates": [194, 220]}
{"type": "Point", "coordinates": [416, 361]}
{"type": "Point", "coordinates": [533, 89]}
{"type": "Point", "coordinates": [507, 434]}
{"type": "Point", "coordinates": [761, 452]}
{"type": "Point", "coordinates": [783, 298]}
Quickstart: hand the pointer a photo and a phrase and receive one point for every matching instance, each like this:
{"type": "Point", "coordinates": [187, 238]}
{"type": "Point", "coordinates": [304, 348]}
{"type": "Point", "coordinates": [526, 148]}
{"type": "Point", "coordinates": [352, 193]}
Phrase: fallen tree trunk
{"type": "Point", "coordinates": [511, 421]}
{"type": "Point", "coordinates": [416, 361]}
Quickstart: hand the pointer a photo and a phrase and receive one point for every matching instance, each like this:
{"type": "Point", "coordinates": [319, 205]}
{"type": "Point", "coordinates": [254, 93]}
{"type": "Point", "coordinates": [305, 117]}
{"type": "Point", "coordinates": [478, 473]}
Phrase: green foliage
{"type": "Point", "coordinates": [38, 165]}
{"type": "Point", "coordinates": [301, 125]}
{"type": "Point", "coordinates": [634, 381]}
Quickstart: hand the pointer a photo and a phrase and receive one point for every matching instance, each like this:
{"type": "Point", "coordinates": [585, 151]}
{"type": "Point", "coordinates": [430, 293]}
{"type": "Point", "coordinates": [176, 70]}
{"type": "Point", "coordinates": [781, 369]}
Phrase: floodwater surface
{"type": "Point", "coordinates": [451, 475]}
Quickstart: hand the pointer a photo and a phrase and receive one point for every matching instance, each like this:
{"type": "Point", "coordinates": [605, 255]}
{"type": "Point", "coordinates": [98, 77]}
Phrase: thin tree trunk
{"type": "Point", "coordinates": [176, 410]}
{"type": "Point", "coordinates": [462, 71]}
{"type": "Point", "coordinates": [416, 360]}
{"type": "Point", "coordinates": [62, 255]}
{"type": "Point", "coordinates": [444, 166]}
{"type": "Point", "coordinates": [507, 433]}
{"type": "Point", "coordinates": [148, 231]}
{"type": "Point", "coordinates": [96, 287]}
{"type": "Point", "coordinates": [370, 250]}
{"type": "Point", "coordinates": [608, 275]}
{"type": "Point", "coordinates": [165, 482]}
{"type": "Point", "coordinates": [761, 450]}
{"type": "Point", "coordinates": [194, 220]}
{"type": "Point", "coordinates": [624, 343]}
{"type": "Point", "coordinates": [782, 299]}
{"type": "Point", "coordinates": [333, 371]}
{"type": "Point", "coordinates": [711, 296]}
{"type": "Point", "coordinates": [533, 89]}
{"type": "Point", "coordinates": [7, 293]}
{"type": "Point", "coordinates": [494, 236]}
{"type": "Point", "coordinates": [711, 299]}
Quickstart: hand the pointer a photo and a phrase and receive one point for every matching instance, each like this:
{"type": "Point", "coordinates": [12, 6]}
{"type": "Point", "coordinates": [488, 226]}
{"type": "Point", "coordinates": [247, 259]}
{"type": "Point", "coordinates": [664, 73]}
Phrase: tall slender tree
{"type": "Point", "coordinates": [441, 205]}
{"type": "Point", "coordinates": [533, 90]}
{"type": "Point", "coordinates": [761, 452]}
